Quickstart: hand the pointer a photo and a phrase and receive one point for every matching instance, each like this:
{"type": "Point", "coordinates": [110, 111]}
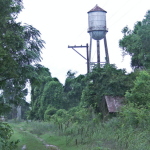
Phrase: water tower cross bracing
{"type": "Point", "coordinates": [97, 30]}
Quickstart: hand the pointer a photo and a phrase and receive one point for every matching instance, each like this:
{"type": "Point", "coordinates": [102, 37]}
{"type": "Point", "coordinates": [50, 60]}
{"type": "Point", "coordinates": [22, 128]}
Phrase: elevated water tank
{"type": "Point", "coordinates": [97, 23]}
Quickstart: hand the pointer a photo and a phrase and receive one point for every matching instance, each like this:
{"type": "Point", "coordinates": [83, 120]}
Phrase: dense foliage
{"type": "Point", "coordinates": [49, 94]}
{"type": "Point", "coordinates": [46, 91]}
{"type": "Point", "coordinates": [139, 93]}
{"type": "Point", "coordinates": [106, 81]}
{"type": "Point", "coordinates": [136, 43]}
{"type": "Point", "coordinates": [20, 48]}
{"type": "Point", "coordinates": [73, 89]}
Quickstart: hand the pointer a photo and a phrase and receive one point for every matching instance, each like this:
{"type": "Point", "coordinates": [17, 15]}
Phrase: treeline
{"type": "Point", "coordinates": [48, 95]}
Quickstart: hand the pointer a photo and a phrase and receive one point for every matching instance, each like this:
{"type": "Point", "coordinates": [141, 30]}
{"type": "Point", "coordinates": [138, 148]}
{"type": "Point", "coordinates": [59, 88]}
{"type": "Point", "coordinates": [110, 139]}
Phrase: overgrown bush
{"type": "Point", "coordinates": [140, 93]}
{"type": "Point", "coordinates": [129, 130]}
{"type": "Point", "coordinates": [135, 116]}
{"type": "Point", "coordinates": [107, 80]}
{"type": "Point", "coordinates": [5, 134]}
{"type": "Point", "coordinates": [49, 112]}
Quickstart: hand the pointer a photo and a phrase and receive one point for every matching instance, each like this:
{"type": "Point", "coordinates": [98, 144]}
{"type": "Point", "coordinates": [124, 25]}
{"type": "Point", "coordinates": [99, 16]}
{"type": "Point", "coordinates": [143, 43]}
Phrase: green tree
{"type": "Point", "coordinates": [136, 43]}
{"type": "Point", "coordinates": [73, 89]}
{"type": "Point", "coordinates": [139, 94]}
{"type": "Point", "coordinates": [49, 112]}
{"type": "Point", "coordinates": [45, 92]}
{"type": "Point", "coordinates": [38, 82]}
{"type": "Point", "coordinates": [20, 48]}
{"type": "Point", "coordinates": [52, 95]}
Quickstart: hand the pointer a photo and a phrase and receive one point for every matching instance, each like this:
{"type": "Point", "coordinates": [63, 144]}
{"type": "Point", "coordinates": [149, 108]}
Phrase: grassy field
{"type": "Point", "coordinates": [37, 135]}
{"type": "Point", "coordinates": [111, 135]}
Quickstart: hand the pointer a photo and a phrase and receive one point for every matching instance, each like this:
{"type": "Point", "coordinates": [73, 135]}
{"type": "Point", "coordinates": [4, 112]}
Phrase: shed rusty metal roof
{"type": "Point", "coordinates": [113, 103]}
{"type": "Point", "coordinates": [97, 8]}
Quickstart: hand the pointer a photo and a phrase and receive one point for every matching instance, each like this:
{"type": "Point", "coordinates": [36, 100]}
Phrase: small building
{"type": "Point", "coordinates": [111, 104]}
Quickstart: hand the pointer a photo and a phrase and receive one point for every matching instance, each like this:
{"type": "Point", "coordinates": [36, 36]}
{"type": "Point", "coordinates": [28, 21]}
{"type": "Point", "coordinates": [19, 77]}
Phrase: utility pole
{"type": "Point", "coordinates": [87, 52]}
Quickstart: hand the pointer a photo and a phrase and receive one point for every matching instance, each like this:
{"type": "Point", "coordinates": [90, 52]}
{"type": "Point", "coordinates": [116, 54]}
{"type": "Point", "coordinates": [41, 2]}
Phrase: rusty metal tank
{"type": "Point", "coordinates": [97, 23]}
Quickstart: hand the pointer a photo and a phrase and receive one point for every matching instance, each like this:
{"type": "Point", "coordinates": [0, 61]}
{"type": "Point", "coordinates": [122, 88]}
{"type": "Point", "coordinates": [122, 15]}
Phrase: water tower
{"type": "Point", "coordinates": [97, 30]}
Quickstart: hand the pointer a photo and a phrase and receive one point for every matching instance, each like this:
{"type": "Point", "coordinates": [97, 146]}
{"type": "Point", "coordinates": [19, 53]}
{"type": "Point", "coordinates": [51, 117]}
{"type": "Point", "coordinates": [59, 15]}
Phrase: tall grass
{"type": "Point", "coordinates": [35, 127]}
{"type": "Point", "coordinates": [39, 128]}
{"type": "Point", "coordinates": [130, 130]}
{"type": "Point", "coordinates": [79, 131]}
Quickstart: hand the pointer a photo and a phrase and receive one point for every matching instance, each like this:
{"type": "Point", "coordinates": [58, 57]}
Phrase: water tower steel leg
{"type": "Point", "coordinates": [98, 53]}
{"type": "Point", "coordinates": [106, 50]}
{"type": "Point", "coordinates": [90, 48]}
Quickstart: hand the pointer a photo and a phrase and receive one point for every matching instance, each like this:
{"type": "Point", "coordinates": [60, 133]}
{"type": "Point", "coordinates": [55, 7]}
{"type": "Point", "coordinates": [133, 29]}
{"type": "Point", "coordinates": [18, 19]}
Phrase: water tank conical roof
{"type": "Point", "coordinates": [97, 23]}
{"type": "Point", "coordinates": [97, 8]}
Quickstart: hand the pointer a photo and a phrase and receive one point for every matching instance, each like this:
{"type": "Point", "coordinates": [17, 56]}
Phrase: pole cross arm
{"type": "Point", "coordinates": [77, 46]}
{"type": "Point", "coordinates": [87, 59]}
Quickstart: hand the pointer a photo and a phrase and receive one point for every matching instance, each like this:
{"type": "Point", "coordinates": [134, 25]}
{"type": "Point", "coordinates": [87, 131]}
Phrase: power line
{"type": "Point", "coordinates": [105, 3]}
{"type": "Point", "coordinates": [119, 9]}
{"type": "Point", "coordinates": [125, 13]}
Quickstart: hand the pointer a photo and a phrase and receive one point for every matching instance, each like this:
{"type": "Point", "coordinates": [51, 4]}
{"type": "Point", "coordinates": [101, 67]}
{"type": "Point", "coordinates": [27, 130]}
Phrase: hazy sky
{"type": "Point", "coordinates": [65, 22]}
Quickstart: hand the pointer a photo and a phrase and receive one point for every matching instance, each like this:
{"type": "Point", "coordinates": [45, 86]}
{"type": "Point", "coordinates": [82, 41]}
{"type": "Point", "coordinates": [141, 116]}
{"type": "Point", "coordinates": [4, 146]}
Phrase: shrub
{"type": "Point", "coordinates": [49, 112]}
{"type": "Point", "coordinates": [140, 93]}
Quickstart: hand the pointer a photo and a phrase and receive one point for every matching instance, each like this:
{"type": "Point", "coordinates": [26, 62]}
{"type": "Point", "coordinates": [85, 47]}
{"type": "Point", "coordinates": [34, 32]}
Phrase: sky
{"type": "Point", "coordinates": [65, 22]}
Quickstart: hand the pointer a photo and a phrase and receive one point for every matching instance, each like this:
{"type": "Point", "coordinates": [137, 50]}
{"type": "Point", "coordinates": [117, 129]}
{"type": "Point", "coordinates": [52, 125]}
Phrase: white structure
{"type": "Point", "coordinates": [18, 112]}
{"type": "Point", "coordinates": [2, 118]}
{"type": "Point", "coordinates": [97, 30]}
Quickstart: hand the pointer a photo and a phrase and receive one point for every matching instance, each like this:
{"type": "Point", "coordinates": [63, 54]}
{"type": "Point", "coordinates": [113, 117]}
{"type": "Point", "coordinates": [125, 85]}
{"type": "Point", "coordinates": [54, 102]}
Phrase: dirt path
{"type": "Point", "coordinates": [30, 141]}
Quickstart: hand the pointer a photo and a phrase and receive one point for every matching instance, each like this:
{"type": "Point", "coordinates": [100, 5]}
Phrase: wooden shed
{"type": "Point", "coordinates": [111, 104]}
